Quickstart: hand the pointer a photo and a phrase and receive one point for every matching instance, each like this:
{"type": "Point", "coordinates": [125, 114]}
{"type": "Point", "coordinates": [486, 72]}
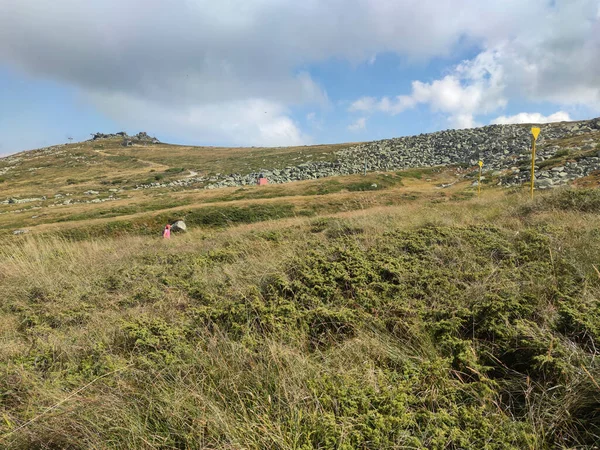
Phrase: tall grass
{"type": "Point", "coordinates": [469, 324]}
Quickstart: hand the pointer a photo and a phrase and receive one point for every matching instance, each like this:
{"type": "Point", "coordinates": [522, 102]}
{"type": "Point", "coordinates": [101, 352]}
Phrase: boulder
{"type": "Point", "coordinates": [179, 226]}
{"type": "Point", "coordinates": [545, 183]}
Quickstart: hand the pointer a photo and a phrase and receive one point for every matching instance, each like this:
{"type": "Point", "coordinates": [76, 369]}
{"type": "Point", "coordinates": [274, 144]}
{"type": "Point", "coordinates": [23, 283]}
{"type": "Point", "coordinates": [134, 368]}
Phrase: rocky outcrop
{"type": "Point", "coordinates": [141, 138]}
{"type": "Point", "coordinates": [16, 201]}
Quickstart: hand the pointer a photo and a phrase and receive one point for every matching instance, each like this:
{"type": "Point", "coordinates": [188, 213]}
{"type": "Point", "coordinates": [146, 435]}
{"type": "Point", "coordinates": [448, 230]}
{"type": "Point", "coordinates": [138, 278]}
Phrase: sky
{"type": "Point", "coordinates": [289, 72]}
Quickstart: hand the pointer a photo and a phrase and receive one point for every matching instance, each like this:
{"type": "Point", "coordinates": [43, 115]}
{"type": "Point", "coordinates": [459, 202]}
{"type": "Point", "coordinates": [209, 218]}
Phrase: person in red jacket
{"type": "Point", "coordinates": [167, 232]}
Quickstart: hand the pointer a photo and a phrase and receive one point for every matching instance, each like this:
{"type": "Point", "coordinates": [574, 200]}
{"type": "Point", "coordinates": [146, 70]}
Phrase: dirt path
{"type": "Point", "coordinates": [152, 164]}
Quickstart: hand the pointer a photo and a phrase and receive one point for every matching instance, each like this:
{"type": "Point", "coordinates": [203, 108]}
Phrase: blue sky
{"type": "Point", "coordinates": [281, 72]}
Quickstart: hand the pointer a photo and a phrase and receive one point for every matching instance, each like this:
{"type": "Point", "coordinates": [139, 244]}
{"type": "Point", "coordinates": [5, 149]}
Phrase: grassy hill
{"type": "Point", "coordinates": [393, 310]}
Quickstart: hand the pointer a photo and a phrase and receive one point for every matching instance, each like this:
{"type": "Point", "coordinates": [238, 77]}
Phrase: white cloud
{"type": "Point", "coordinates": [366, 104]}
{"type": "Point", "coordinates": [560, 116]}
{"type": "Point", "coordinates": [314, 121]}
{"type": "Point", "coordinates": [461, 121]}
{"type": "Point", "coordinates": [359, 125]}
{"type": "Point", "coordinates": [385, 104]}
{"type": "Point", "coordinates": [473, 87]}
{"type": "Point", "coordinates": [553, 59]}
{"type": "Point", "coordinates": [202, 55]}
{"type": "Point", "coordinates": [248, 122]}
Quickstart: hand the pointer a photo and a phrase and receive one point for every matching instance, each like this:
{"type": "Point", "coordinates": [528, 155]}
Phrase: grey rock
{"type": "Point", "coordinates": [179, 226]}
{"type": "Point", "coordinates": [544, 184]}
{"type": "Point", "coordinates": [141, 137]}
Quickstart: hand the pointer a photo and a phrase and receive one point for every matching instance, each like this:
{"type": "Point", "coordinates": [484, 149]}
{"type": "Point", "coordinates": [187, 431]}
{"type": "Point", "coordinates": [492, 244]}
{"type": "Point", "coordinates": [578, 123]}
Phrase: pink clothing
{"type": "Point", "coordinates": [167, 233]}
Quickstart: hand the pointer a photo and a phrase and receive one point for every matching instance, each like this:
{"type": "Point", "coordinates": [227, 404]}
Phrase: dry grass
{"type": "Point", "coordinates": [105, 343]}
{"type": "Point", "coordinates": [298, 194]}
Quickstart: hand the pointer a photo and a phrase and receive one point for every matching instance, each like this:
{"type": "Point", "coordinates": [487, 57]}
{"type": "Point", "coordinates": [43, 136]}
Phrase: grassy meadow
{"type": "Point", "coordinates": [313, 317]}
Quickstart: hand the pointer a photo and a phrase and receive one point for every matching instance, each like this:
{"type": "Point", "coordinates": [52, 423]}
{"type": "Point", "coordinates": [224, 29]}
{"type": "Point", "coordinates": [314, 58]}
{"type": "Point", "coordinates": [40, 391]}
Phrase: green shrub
{"type": "Point", "coordinates": [582, 200]}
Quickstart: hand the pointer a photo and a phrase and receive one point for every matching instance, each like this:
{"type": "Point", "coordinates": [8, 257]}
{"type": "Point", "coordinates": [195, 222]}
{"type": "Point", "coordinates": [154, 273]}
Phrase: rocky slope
{"type": "Point", "coordinates": [505, 150]}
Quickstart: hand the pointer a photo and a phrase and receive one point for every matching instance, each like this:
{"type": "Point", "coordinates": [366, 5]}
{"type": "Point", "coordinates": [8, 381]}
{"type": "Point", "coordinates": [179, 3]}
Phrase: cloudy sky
{"type": "Point", "coordinates": [287, 72]}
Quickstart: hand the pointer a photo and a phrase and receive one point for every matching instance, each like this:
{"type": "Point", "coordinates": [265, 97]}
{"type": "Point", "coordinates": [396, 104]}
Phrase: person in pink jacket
{"type": "Point", "coordinates": [167, 232]}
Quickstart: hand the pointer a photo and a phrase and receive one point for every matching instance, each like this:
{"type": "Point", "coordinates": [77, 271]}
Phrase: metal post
{"type": "Point", "coordinates": [479, 180]}
{"type": "Point", "coordinates": [532, 165]}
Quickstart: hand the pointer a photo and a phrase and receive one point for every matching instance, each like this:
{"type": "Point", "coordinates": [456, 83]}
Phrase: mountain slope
{"type": "Point", "coordinates": [396, 309]}
{"type": "Point", "coordinates": [103, 178]}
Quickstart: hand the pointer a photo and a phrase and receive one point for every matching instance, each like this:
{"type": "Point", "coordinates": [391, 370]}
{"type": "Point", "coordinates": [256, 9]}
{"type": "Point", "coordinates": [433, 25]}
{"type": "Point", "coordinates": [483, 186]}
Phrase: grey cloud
{"type": "Point", "coordinates": [555, 58]}
{"type": "Point", "coordinates": [231, 55]}
{"type": "Point", "coordinates": [205, 51]}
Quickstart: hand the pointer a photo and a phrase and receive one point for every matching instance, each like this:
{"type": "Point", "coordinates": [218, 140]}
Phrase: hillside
{"type": "Point", "coordinates": [396, 309]}
{"type": "Point", "coordinates": [104, 178]}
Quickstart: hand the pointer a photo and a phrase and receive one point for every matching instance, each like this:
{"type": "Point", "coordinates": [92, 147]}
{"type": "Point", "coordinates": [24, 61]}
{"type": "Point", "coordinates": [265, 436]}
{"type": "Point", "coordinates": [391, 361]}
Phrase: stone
{"type": "Point", "coordinates": [17, 232]}
{"type": "Point", "coordinates": [179, 226]}
{"type": "Point", "coordinates": [544, 184]}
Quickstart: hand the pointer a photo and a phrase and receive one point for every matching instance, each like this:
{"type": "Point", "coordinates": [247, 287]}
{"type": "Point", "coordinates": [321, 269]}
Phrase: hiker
{"type": "Point", "coordinates": [167, 232]}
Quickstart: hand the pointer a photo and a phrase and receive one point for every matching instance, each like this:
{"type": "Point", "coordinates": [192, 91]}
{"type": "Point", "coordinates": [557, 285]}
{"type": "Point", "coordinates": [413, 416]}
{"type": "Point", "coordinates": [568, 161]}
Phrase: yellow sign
{"type": "Point", "coordinates": [479, 181]}
{"type": "Point", "coordinates": [535, 132]}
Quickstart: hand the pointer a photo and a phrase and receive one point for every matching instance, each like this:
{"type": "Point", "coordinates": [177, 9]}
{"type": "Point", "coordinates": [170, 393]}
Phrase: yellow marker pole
{"type": "Point", "coordinates": [479, 182]}
{"type": "Point", "coordinates": [535, 132]}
